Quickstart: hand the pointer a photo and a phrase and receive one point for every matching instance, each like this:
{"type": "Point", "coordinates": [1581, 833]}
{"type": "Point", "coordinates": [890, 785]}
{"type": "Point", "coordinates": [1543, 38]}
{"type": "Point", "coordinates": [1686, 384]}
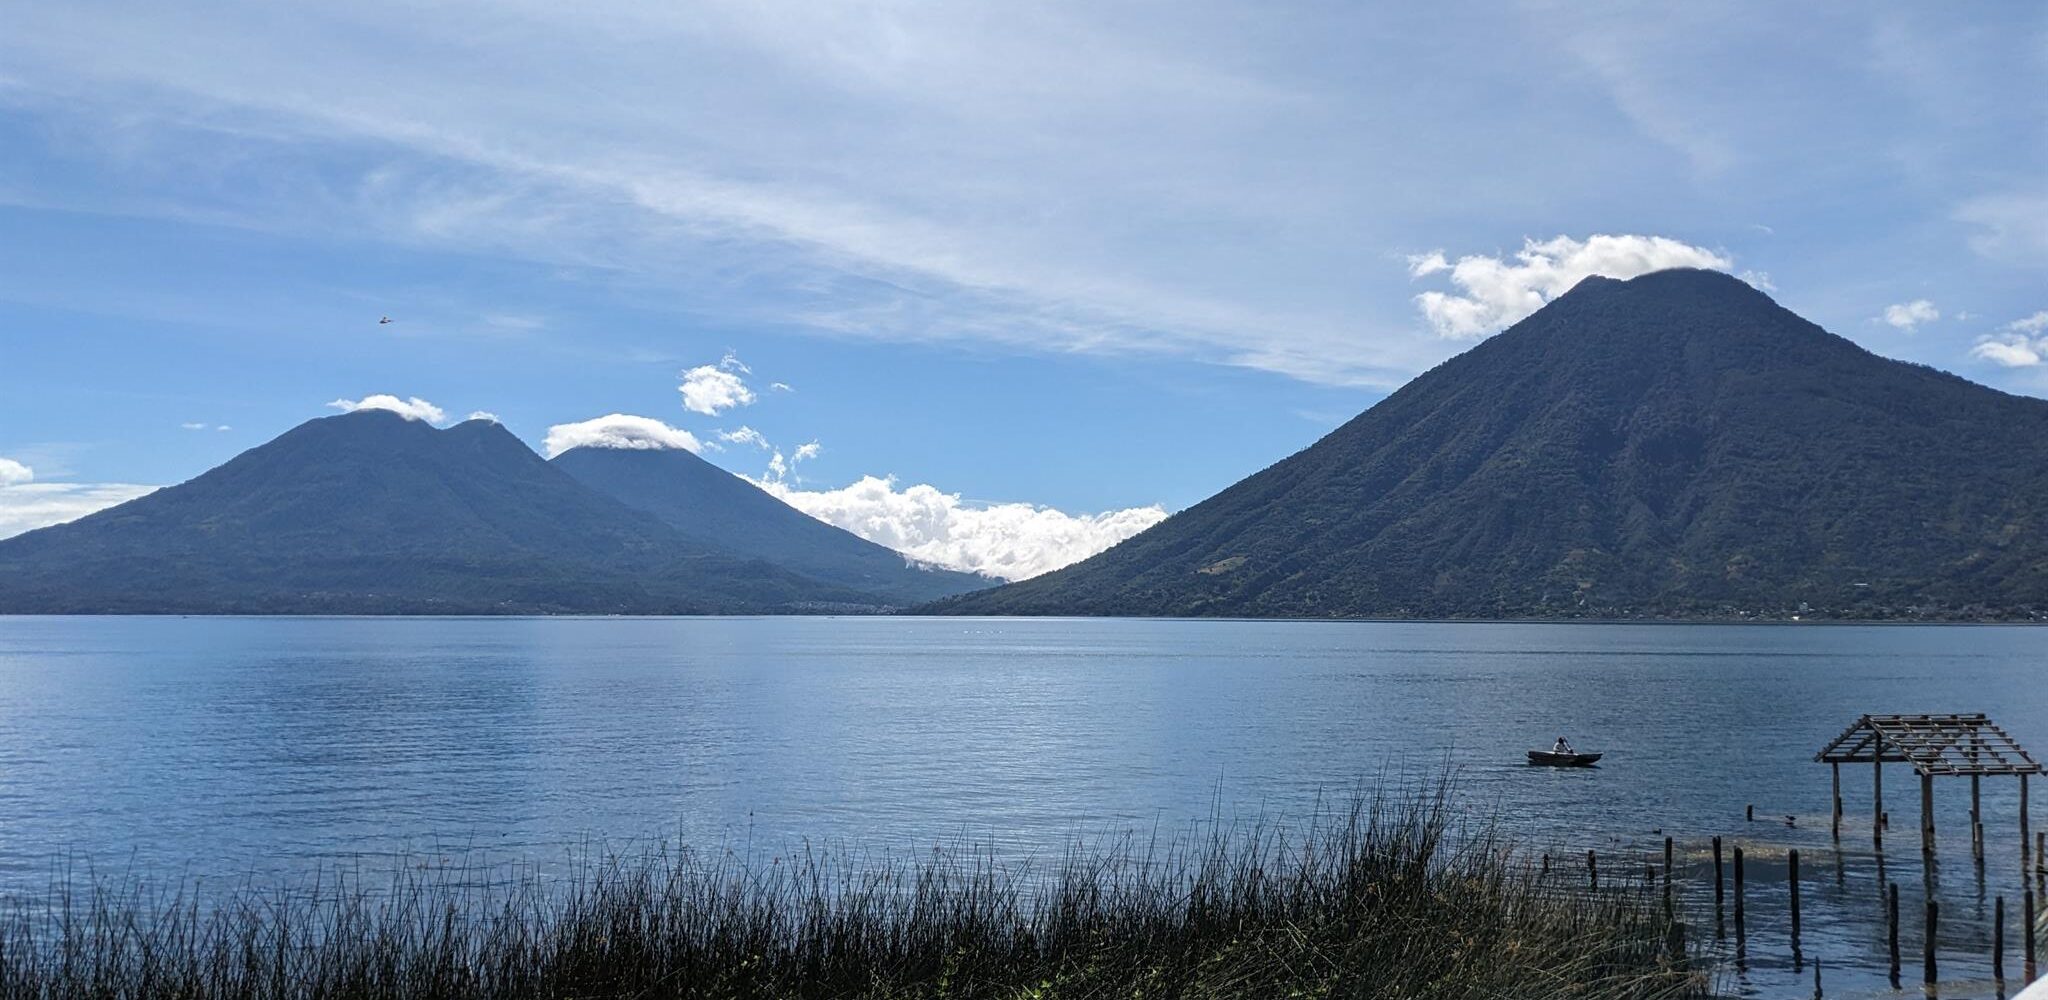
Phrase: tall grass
{"type": "Point", "coordinates": [1385, 898]}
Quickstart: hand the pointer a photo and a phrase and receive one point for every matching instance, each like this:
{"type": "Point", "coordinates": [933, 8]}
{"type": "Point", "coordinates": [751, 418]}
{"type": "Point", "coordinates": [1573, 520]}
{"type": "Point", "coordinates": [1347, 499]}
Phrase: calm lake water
{"type": "Point", "coordinates": [268, 747]}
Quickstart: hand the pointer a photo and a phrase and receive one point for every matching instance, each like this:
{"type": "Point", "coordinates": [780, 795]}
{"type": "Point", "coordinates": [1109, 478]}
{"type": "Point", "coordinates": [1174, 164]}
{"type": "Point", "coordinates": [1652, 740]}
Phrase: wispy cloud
{"type": "Point", "coordinates": [27, 506]}
{"type": "Point", "coordinates": [1007, 541]}
{"type": "Point", "coordinates": [1908, 315]}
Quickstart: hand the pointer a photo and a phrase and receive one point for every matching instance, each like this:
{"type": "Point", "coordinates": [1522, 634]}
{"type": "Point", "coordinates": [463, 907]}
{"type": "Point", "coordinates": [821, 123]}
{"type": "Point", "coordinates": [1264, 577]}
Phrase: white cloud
{"type": "Point", "coordinates": [2022, 343]}
{"type": "Point", "coordinates": [745, 435]}
{"type": "Point", "coordinates": [1907, 315]}
{"type": "Point", "coordinates": [483, 415]}
{"type": "Point", "coordinates": [414, 408]}
{"type": "Point", "coordinates": [806, 452]}
{"type": "Point", "coordinates": [780, 387]}
{"type": "Point", "coordinates": [2010, 351]}
{"type": "Point", "coordinates": [193, 427]}
{"type": "Point", "coordinates": [714, 389]}
{"type": "Point", "coordinates": [619, 430]}
{"type": "Point", "coordinates": [1008, 541]}
{"type": "Point", "coordinates": [13, 473]}
{"type": "Point", "coordinates": [1494, 293]}
{"type": "Point", "coordinates": [27, 506]}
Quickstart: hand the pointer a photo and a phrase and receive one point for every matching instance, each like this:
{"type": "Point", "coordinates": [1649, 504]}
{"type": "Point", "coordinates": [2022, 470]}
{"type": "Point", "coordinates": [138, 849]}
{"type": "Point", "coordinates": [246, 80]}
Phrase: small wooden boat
{"type": "Point", "coordinates": [1551, 758]}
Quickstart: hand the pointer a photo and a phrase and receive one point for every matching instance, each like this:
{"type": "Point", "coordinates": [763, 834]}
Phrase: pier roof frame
{"type": "Point", "coordinates": [1964, 744]}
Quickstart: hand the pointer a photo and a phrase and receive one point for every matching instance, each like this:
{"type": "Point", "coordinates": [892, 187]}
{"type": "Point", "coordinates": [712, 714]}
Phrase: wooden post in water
{"type": "Point", "coordinates": [1835, 773]}
{"type": "Point", "coordinates": [1892, 928]}
{"type": "Point", "coordinates": [1667, 861]}
{"type": "Point", "coordinates": [1877, 792]}
{"type": "Point", "coordinates": [1593, 869]}
{"type": "Point", "coordinates": [1998, 940]}
{"type": "Point", "coordinates": [2027, 935]}
{"type": "Point", "coordinates": [1792, 879]}
{"type": "Point", "coordinates": [1739, 933]}
{"type": "Point", "coordinates": [1927, 948]}
{"type": "Point", "coordinates": [1927, 815]}
{"type": "Point", "coordinates": [2023, 816]}
{"type": "Point", "coordinates": [1977, 817]}
{"type": "Point", "coordinates": [1749, 813]}
{"type": "Point", "coordinates": [1720, 877]}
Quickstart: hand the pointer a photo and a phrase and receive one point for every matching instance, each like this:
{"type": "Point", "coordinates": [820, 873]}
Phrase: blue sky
{"type": "Point", "coordinates": [1081, 256]}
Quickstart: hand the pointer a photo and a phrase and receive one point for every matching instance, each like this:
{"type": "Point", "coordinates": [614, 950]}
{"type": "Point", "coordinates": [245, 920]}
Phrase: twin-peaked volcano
{"type": "Point", "coordinates": [1677, 444]}
{"type": "Point", "coordinates": [372, 513]}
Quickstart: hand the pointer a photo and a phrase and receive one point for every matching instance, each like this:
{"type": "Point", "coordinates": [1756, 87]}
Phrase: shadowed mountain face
{"type": "Point", "coordinates": [706, 503]}
{"type": "Point", "coordinates": [371, 513]}
{"type": "Point", "coordinates": [1675, 445]}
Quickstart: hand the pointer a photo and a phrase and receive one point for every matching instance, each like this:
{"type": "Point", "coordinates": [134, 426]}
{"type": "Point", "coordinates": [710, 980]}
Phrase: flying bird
{"type": "Point", "coordinates": [384, 321]}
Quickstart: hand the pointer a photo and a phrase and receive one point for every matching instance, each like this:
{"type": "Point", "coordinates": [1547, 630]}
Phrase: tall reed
{"type": "Point", "coordinates": [1391, 896]}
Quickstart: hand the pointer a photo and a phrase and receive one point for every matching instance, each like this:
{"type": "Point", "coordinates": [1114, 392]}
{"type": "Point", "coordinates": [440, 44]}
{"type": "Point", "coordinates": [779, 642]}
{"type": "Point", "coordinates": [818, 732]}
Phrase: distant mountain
{"type": "Point", "coordinates": [371, 513]}
{"type": "Point", "coordinates": [713, 506]}
{"type": "Point", "coordinates": [1675, 445]}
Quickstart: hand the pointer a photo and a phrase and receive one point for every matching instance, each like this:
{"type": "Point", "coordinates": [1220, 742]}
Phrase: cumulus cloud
{"type": "Point", "coordinates": [714, 389]}
{"type": "Point", "coordinates": [1495, 292]}
{"type": "Point", "coordinates": [26, 506]}
{"type": "Point", "coordinates": [483, 415]}
{"type": "Point", "coordinates": [808, 451]}
{"type": "Point", "coordinates": [13, 473]}
{"type": "Point", "coordinates": [414, 408]}
{"type": "Point", "coordinates": [619, 430]}
{"type": "Point", "coordinates": [1907, 315]}
{"type": "Point", "coordinates": [1008, 541]}
{"type": "Point", "coordinates": [2022, 343]}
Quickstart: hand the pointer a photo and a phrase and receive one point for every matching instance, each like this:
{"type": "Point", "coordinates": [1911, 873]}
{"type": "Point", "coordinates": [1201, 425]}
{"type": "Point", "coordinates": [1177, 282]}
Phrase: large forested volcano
{"type": "Point", "coordinates": [1674, 445]}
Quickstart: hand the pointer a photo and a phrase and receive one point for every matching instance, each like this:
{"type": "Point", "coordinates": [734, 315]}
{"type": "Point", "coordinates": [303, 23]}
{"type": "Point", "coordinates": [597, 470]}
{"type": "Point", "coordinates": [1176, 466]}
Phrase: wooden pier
{"type": "Point", "coordinates": [1935, 746]}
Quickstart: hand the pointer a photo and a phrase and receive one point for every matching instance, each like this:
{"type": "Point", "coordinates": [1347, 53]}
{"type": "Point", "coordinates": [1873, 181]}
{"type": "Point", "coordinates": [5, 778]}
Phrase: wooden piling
{"type": "Point", "coordinates": [2023, 811]}
{"type": "Point", "coordinates": [1998, 940]}
{"type": "Point", "coordinates": [1720, 878]}
{"type": "Point", "coordinates": [1927, 814]}
{"type": "Point", "coordinates": [1977, 818]}
{"type": "Point", "coordinates": [1667, 861]}
{"type": "Point", "coordinates": [1749, 813]}
{"type": "Point", "coordinates": [1877, 817]}
{"type": "Point", "coordinates": [1927, 948]}
{"type": "Point", "coordinates": [1593, 869]}
{"type": "Point", "coordinates": [2027, 934]}
{"type": "Point", "coordinates": [1835, 773]}
{"type": "Point", "coordinates": [1792, 879]}
{"type": "Point", "coordinates": [1739, 935]}
{"type": "Point", "coordinates": [1891, 912]}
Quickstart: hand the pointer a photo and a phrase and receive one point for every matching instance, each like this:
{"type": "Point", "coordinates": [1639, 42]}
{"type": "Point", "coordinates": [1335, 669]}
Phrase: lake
{"type": "Point", "coordinates": [266, 748]}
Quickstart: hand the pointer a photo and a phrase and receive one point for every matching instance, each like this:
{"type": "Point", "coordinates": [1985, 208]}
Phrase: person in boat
{"type": "Point", "coordinates": [1563, 746]}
